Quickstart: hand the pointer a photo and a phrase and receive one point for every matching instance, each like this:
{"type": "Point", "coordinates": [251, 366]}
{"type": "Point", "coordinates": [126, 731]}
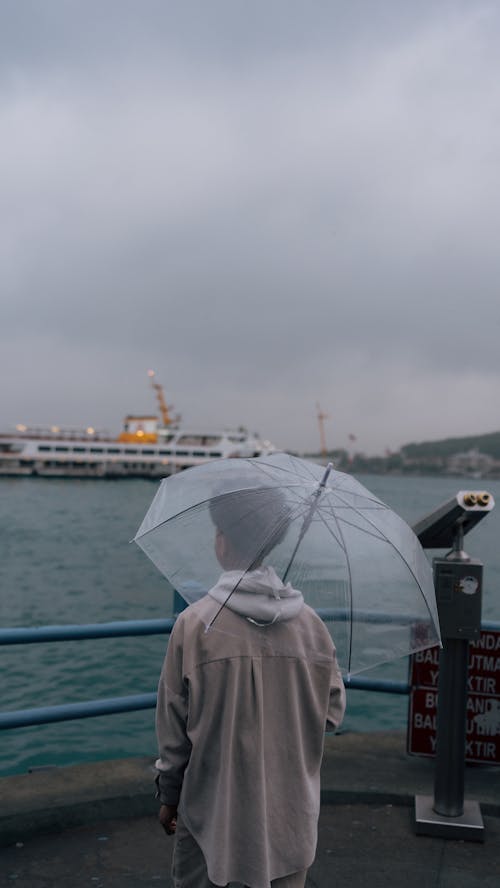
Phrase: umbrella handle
{"type": "Point", "coordinates": [324, 479]}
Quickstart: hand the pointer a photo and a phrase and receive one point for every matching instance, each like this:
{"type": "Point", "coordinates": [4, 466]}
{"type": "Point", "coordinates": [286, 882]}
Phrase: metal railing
{"type": "Point", "coordinates": [91, 708]}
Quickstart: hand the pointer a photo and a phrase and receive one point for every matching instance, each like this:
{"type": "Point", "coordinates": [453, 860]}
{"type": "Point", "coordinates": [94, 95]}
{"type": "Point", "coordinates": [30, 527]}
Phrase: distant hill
{"type": "Point", "coordinates": [489, 444]}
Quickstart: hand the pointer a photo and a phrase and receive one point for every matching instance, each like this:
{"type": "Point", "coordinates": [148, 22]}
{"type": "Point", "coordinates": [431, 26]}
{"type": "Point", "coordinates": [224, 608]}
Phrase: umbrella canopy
{"type": "Point", "coordinates": [284, 526]}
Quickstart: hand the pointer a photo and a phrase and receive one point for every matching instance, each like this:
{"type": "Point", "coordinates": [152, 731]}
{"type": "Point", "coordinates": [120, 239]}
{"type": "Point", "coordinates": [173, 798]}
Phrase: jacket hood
{"type": "Point", "coordinates": [259, 595]}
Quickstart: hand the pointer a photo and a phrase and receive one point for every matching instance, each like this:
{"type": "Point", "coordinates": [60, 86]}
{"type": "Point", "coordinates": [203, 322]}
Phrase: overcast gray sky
{"type": "Point", "coordinates": [270, 203]}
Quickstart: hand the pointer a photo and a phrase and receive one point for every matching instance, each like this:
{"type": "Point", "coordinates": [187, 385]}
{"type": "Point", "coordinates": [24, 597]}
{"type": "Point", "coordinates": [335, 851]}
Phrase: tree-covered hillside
{"type": "Point", "coordinates": [488, 443]}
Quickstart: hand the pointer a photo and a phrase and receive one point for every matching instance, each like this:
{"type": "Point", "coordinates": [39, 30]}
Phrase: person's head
{"type": "Point", "coordinates": [249, 524]}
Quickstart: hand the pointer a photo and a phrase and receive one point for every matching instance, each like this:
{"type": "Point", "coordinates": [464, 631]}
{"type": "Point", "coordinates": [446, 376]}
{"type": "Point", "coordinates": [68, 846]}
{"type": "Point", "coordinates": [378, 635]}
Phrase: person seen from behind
{"type": "Point", "coordinates": [242, 712]}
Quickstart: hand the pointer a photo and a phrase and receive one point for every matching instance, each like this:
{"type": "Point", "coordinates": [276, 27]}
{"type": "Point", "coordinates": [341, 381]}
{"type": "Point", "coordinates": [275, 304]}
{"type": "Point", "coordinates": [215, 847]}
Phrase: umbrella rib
{"type": "Point", "coordinates": [396, 550]}
{"type": "Point", "coordinates": [204, 502]}
{"type": "Point", "coordinates": [283, 522]}
{"type": "Point", "coordinates": [288, 486]}
{"type": "Point", "coordinates": [341, 542]}
{"type": "Point", "coordinates": [174, 517]}
{"type": "Point", "coordinates": [290, 471]}
{"type": "Point", "coordinates": [377, 536]}
{"type": "Point", "coordinates": [309, 516]}
{"type": "Point", "coordinates": [349, 573]}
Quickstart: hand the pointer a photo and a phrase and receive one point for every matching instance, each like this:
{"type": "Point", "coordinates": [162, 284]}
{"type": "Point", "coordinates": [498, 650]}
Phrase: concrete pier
{"type": "Point", "coordinates": [95, 824]}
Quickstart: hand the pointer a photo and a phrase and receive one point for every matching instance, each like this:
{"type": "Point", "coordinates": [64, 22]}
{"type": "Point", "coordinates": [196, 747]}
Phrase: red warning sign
{"type": "Point", "coordinates": [483, 701]}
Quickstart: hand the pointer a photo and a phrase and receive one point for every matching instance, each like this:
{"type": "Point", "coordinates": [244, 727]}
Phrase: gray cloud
{"type": "Point", "coordinates": [268, 208]}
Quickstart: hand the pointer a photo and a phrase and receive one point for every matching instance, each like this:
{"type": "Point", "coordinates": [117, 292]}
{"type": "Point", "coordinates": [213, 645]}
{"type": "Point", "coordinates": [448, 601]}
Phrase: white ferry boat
{"type": "Point", "coordinates": [146, 448]}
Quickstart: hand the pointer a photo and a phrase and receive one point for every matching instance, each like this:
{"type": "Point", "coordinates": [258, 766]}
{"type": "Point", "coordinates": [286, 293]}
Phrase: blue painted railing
{"type": "Point", "coordinates": [89, 708]}
{"type": "Point", "coordinates": [81, 631]}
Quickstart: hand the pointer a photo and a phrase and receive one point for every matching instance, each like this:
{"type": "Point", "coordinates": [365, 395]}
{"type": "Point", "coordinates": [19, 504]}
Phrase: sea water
{"type": "Point", "coordinates": [66, 558]}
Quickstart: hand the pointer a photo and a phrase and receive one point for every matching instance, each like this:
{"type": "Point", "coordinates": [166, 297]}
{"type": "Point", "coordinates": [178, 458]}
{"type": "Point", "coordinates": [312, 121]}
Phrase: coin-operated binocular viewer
{"type": "Point", "coordinates": [458, 583]}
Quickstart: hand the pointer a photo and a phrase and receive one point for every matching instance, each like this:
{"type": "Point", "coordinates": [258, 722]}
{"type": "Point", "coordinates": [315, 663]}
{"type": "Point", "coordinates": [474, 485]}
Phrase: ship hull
{"type": "Point", "coordinates": [71, 457]}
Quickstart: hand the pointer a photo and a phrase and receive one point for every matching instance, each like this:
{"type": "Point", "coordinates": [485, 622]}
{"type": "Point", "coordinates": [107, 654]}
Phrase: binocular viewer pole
{"type": "Point", "coordinates": [458, 585]}
{"type": "Point", "coordinates": [449, 774]}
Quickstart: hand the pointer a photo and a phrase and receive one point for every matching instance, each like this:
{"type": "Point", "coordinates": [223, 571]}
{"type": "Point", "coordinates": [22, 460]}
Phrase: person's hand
{"type": "Point", "coordinates": [168, 818]}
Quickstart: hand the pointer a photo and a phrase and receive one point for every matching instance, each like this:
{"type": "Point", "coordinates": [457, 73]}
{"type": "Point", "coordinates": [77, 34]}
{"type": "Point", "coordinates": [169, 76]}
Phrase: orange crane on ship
{"type": "Point", "coordinates": [164, 408]}
{"type": "Point", "coordinates": [143, 429]}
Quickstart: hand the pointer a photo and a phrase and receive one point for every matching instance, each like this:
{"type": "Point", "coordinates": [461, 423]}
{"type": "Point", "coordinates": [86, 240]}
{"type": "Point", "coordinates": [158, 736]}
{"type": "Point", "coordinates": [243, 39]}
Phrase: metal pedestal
{"type": "Point", "coordinates": [468, 826]}
{"type": "Point", "coordinates": [458, 582]}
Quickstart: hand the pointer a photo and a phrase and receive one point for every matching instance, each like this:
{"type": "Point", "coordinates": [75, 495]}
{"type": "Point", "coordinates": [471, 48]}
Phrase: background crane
{"type": "Point", "coordinates": [321, 423]}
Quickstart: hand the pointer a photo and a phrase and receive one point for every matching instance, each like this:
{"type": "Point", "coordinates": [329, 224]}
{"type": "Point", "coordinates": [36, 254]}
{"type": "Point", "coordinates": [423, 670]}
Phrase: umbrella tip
{"type": "Point", "coordinates": [325, 476]}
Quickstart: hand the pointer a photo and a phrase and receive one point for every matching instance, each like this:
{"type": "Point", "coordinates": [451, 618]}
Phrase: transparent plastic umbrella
{"type": "Point", "coordinates": [321, 532]}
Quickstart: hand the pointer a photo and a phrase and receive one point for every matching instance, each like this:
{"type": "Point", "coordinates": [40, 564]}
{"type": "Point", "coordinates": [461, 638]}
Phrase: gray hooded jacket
{"type": "Point", "coordinates": [241, 716]}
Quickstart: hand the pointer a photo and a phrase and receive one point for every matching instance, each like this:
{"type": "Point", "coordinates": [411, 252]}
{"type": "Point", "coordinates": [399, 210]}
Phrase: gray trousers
{"type": "Point", "coordinates": [189, 869]}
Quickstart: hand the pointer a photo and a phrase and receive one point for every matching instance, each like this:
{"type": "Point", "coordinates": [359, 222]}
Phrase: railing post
{"type": "Point", "coordinates": [180, 603]}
